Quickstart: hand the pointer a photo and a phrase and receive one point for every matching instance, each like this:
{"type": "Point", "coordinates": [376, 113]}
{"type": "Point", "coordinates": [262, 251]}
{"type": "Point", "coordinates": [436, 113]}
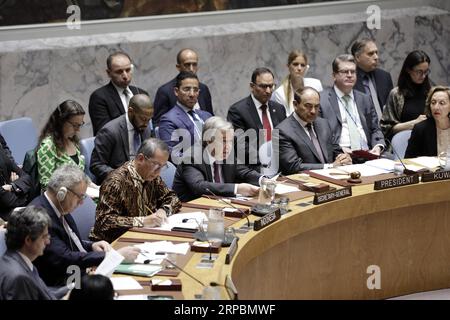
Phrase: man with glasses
{"type": "Point", "coordinates": [134, 195]}
{"type": "Point", "coordinates": [350, 113]}
{"type": "Point", "coordinates": [118, 141]}
{"type": "Point", "coordinates": [256, 116]}
{"type": "Point", "coordinates": [370, 79]}
{"type": "Point", "coordinates": [181, 127]}
{"type": "Point", "coordinates": [66, 190]}
{"type": "Point", "coordinates": [166, 99]}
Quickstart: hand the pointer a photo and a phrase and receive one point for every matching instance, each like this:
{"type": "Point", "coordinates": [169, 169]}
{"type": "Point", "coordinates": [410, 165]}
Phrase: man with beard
{"type": "Point", "coordinates": [118, 141]}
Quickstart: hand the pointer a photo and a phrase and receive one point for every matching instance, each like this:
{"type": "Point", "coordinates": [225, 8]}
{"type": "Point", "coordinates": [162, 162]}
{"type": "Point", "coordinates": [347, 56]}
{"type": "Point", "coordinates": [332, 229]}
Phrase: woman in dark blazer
{"type": "Point", "coordinates": [432, 136]}
{"type": "Point", "coordinates": [14, 182]}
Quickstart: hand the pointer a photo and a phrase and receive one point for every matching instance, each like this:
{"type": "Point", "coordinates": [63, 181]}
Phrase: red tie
{"type": "Point", "coordinates": [216, 173]}
{"type": "Point", "coordinates": [266, 123]}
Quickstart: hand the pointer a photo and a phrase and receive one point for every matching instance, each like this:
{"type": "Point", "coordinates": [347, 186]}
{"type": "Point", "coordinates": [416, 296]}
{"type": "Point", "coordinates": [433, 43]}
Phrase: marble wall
{"type": "Point", "coordinates": [33, 82]}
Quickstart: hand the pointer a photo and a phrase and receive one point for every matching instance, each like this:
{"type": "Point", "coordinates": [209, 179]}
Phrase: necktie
{"type": "Point", "coordinates": [127, 98]}
{"type": "Point", "coordinates": [370, 90]}
{"type": "Point", "coordinates": [72, 235]}
{"type": "Point", "coordinates": [355, 140]}
{"type": "Point", "coordinates": [136, 141]}
{"type": "Point", "coordinates": [216, 172]}
{"type": "Point", "coordinates": [198, 123]}
{"type": "Point", "coordinates": [315, 142]}
{"type": "Point", "coordinates": [266, 123]}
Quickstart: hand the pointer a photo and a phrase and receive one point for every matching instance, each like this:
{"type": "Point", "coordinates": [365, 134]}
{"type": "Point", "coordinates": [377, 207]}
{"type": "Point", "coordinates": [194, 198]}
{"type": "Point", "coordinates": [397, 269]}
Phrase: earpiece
{"type": "Point", "coordinates": [61, 194]}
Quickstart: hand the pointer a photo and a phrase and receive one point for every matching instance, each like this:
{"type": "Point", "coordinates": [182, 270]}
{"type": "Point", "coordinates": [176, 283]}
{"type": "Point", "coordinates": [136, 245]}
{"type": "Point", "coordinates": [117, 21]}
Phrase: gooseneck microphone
{"type": "Point", "coordinates": [405, 170]}
{"type": "Point", "coordinates": [231, 205]}
{"type": "Point", "coordinates": [185, 272]}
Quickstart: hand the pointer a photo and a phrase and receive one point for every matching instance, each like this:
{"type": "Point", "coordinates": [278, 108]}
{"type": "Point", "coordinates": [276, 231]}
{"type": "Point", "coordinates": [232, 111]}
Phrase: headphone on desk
{"type": "Point", "coordinates": [61, 194]}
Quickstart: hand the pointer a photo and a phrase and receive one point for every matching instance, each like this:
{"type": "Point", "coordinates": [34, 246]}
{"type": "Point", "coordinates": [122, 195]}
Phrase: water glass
{"type": "Point", "coordinates": [216, 227]}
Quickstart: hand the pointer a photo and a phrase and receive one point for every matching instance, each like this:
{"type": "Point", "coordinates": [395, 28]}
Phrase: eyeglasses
{"type": "Point", "coordinates": [81, 197]}
{"type": "Point", "coordinates": [345, 72]}
{"type": "Point", "coordinates": [189, 89]}
{"type": "Point", "coordinates": [421, 73]}
{"type": "Point", "coordinates": [263, 86]}
{"type": "Point", "coordinates": [156, 165]}
{"type": "Point", "coordinates": [76, 126]}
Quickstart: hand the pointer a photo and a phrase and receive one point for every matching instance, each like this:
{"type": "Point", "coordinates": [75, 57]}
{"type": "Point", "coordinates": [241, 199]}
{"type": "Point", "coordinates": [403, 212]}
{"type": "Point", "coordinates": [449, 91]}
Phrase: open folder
{"type": "Point", "coordinates": [144, 270]}
{"type": "Point", "coordinates": [363, 155]}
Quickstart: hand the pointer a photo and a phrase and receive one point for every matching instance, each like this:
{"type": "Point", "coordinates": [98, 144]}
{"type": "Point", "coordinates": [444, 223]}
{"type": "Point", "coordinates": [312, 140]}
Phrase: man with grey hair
{"type": "Point", "coordinates": [118, 141]}
{"type": "Point", "coordinates": [217, 172]}
{"type": "Point", "coordinates": [26, 237]}
{"type": "Point", "coordinates": [66, 190]}
{"type": "Point", "coordinates": [370, 79]}
{"type": "Point", "coordinates": [351, 114]}
{"type": "Point", "coordinates": [134, 195]}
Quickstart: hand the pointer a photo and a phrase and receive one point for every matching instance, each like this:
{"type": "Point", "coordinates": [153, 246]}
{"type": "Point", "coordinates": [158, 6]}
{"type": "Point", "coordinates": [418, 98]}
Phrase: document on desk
{"type": "Point", "coordinates": [344, 171]}
{"type": "Point", "coordinates": [192, 220]}
{"type": "Point", "coordinates": [151, 248]}
{"type": "Point", "coordinates": [109, 264]}
{"type": "Point", "coordinates": [427, 162]}
{"type": "Point", "coordinates": [125, 283]}
{"type": "Point", "coordinates": [282, 188]}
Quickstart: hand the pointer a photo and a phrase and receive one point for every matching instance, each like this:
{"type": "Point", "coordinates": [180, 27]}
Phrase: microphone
{"type": "Point", "coordinates": [185, 272]}
{"type": "Point", "coordinates": [231, 205]}
{"type": "Point", "coordinates": [405, 170]}
{"type": "Point", "coordinates": [231, 289]}
{"type": "Point", "coordinates": [202, 236]}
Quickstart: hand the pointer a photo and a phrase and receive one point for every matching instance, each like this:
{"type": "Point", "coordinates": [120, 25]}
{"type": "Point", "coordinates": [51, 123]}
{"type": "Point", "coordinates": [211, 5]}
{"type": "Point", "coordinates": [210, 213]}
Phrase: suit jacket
{"type": "Point", "coordinates": [176, 118]}
{"type": "Point", "coordinates": [62, 252]}
{"type": "Point", "coordinates": [105, 105]}
{"type": "Point", "coordinates": [329, 108]}
{"type": "Point", "coordinates": [297, 152]}
{"type": "Point", "coordinates": [17, 281]}
{"type": "Point", "coordinates": [423, 140]}
{"type": "Point", "coordinates": [165, 99]}
{"type": "Point", "coordinates": [112, 148]}
{"type": "Point", "coordinates": [383, 84]}
{"type": "Point", "coordinates": [192, 180]}
{"type": "Point", "coordinates": [243, 115]}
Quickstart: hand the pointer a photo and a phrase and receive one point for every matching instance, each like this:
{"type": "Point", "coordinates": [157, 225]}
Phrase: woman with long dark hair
{"type": "Point", "coordinates": [59, 142]}
{"type": "Point", "coordinates": [406, 102]}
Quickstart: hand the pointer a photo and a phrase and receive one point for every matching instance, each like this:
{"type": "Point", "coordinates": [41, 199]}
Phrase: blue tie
{"type": "Point", "coordinates": [198, 122]}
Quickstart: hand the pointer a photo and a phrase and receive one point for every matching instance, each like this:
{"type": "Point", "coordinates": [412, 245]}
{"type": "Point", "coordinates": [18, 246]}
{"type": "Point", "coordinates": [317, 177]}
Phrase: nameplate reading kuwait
{"type": "Point", "coordinates": [324, 197]}
{"type": "Point", "coordinates": [396, 182]}
{"type": "Point", "coordinates": [436, 176]}
{"type": "Point", "coordinates": [266, 220]}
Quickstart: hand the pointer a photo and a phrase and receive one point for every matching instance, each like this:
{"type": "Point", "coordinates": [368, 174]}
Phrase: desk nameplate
{"type": "Point", "coordinates": [267, 220]}
{"type": "Point", "coordinates": [436, 176]}
{"type": "Point", "coordinates": [396, 182]}
{"type": "Point", "coordinates": [324, 197]}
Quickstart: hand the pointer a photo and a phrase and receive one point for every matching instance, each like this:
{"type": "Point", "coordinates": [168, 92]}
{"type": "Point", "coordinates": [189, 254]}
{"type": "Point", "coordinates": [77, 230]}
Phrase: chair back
{"type": "Point", "coordinates": [86, 147]}
{"type": "Point", "coordinates": [20, 135]}
{"type": "Point", "coordinates": [84, 217]}
{"type": "Point", "coordinates": [2, 241]}
{"type": "Point", "coordinates": [400, 143]}
{"type": "Point", "coordinates": [168, 174]}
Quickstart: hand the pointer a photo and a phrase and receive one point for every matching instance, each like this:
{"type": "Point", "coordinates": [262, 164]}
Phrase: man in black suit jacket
{"type": "Point", "coordinates": [306, 141]}
{"type": "Point", "coordinates": [116, 142]}
{"type": "Point", "coordinates": [27, 236]}
{"type": "Point", "coordinates": [360, 113]}
{"type": "Point", "coordinates": [369, 77]}
{"type": "Point", "coordinates": [66, 191]}
{"type": "Point", "coordinates": [165, 98]}
{"type": "Point", "coordinates": [251, 113]}
{"type": "Point", "coordinates": [111, 100]}
{"type": "Point", "coordinates": [215, 172]}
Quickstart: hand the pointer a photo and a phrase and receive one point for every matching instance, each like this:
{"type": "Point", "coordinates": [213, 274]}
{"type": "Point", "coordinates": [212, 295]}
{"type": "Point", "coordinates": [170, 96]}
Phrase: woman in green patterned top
{"type": "Point", "coordinates": [59, 142]}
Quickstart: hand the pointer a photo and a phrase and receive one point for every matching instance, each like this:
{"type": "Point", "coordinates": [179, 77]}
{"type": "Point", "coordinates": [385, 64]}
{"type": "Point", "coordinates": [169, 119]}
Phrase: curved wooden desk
{"type": "Point", "coordinates": [323, 252]}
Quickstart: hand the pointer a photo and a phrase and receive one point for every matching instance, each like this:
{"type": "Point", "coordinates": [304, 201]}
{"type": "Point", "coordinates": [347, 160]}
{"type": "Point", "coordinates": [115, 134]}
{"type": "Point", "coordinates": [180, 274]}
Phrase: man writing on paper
{"type": "Point", "coordinates": [65, 191]}
{"type": "Point", "coordinates": [351, 114]}
{"type": "Point", "coordinates": [306, 141]}
{"type": "Point", "coordinates": [134, 195]}
{"type": "Point", "coordinates": [217, 170]}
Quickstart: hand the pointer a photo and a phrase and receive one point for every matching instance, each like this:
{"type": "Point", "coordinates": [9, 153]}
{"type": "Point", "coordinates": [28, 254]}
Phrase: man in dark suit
{"type": "Point", "coordinates": [111, 100]}
{"type": "Point", "coordinates": [370, 79]}
{"type": "Point", "coordinates": [256, 116]}
{"type": "Point", "coordinates": [66, 191]}
{"type": "Point", "coordinates": [118, 141]}
{"type": "Point", "coordinates": [181, 127]}
{"type": "Point", "coordinates": [215, 171]}
{"type": "Point", "coordinates": [27, 236]}
{"type": "Point", "coordinates": [306, 141]}
{"type": "Point", "coordinates": [350, 113]}
{"type": "Point", "coordinates": [165, 98]}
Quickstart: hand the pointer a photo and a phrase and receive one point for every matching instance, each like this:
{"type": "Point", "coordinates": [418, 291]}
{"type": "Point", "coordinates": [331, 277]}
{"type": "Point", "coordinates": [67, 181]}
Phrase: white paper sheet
{"type": "Point", "coordinates": [284, 188]}
{"type": "Point", "coordinates": [339, 173]}
{"type": "Point", "coordinates": [193, 219]}
{"type": "Point", "coordinates": [93, 192]}
{"type": "Point", "coordinates": [109, 264]}
{"type": "Point", "coordinates": [125, 283]}
{"type": "Point", "coordinates": [427, 162]}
